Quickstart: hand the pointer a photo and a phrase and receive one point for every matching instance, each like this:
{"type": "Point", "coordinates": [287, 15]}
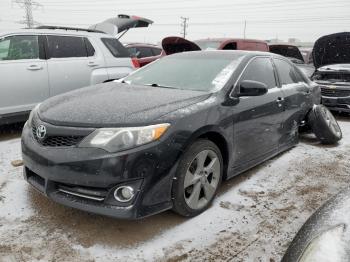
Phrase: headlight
{"type": "Point", "coordinates": [118, 139]}
{"type": "Point", "coordinates": [328, 246]}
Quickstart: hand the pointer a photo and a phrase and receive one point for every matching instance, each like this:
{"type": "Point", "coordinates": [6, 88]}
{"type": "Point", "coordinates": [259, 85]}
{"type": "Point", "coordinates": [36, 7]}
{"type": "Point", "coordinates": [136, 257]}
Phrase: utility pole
{"type": "Point", "coordinates": [184, 26]}
{"type": "Point", "coordinates": [245, 27]}
{"type": "Point", "coordinates": [28, 6]}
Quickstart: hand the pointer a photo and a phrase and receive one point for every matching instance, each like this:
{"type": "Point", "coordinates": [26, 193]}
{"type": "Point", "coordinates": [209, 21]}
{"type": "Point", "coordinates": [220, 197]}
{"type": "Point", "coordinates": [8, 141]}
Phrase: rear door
{"type": "Point", "coordinates": [257, 127]}
{"type": "Point", "coordinates": [72, 60]}
{"type": "Point", "coordinates": [297, 98]}
{"type": "Point", "coordinates": [23, 73]}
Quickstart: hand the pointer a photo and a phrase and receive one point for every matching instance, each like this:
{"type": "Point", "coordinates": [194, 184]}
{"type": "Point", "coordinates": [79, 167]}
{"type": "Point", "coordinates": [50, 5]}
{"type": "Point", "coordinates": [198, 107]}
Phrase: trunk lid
{"type": "Point", "coordinates": [287, 51]}
{"type": "Point", "coordinates": [176, 44]}
{"type": "Point", "coordinates": [116, 25]}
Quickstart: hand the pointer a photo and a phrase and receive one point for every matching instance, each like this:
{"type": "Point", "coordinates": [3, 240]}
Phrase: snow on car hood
{"type": "Point", "coordinates": [116, 25]}
{"type": "Point", "coordinates": [175, 44]}
{"type": "Point", "coordinates": [116, 104]}
{"type": "Point", "coordinates": [332, 49]}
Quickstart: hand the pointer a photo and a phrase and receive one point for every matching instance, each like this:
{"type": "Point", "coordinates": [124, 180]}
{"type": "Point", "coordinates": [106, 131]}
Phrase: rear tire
{"type": "Point", "coordinates": [324, 125]}
{"type": "Point", "coordinates": [197, 179]}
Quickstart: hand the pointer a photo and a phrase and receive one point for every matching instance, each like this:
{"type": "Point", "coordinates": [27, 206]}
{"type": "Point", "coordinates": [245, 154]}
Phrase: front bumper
{"type": "Point", "coordinates": [85, 178]}
{"type": "Point", "coordinates": [336, 98]}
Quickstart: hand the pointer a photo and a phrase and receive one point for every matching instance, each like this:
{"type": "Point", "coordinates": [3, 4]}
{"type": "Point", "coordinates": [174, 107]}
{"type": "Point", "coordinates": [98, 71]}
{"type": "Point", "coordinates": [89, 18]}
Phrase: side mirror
{"type": "Point", "coordinates": [252, 88]}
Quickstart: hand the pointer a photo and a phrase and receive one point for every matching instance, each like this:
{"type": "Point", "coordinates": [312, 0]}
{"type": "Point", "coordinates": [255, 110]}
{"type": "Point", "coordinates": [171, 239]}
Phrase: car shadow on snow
{"type": "Point", "coordinates": [10, 131]}
{"type": "Point", "coordinates": [90, 229]}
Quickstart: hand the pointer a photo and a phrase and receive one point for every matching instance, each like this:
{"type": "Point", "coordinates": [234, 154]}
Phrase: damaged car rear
{"type": "Point", "coordinates": [331, 55]}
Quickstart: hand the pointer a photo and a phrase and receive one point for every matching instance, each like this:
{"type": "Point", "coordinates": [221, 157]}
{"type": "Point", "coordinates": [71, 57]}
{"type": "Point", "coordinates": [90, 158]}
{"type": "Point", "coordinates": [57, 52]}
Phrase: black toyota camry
{"type": "Point", "coordinates": [167, 135]}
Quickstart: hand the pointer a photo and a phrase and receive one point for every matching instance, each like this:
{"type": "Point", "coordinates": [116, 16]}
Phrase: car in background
{"type": "Point", "coordinates": [293, 53]}
{"type": "Point", "coordinates": [232, 44]}
{"type": "Point", "coordinates": [145, 53]}
{"type": "Point", "coordinates": [326, 234]}
{"type": "Point", "coordinates": [165, 136]}
{"type": "Point", "coordinates": [307, 55]}
{"type": "Point", "coordinates": [331, 57]}
{"type": "Point", "coordinates": [40, 63]}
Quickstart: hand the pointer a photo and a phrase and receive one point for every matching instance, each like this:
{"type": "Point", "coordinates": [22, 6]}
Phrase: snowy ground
{"type": "Point", "coordinates": [254, 218]}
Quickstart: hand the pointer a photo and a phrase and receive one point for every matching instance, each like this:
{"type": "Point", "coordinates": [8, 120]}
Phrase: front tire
{"type": "Point", "coordinates": [198, 177]}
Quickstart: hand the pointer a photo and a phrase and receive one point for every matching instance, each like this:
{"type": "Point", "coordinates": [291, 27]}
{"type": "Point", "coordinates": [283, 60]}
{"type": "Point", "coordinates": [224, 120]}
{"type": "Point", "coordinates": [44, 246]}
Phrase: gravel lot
{"type": "Point", "coordinates": [254, 218]}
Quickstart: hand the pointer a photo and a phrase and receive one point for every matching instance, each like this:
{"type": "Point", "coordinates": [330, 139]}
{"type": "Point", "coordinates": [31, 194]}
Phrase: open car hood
{"type": "Point", "coordinates": [116, 25]}
{"type": "Point", "coordinates": [287, 51]}
{"type": "Point", "coordinates": [332, 49]}
{"type": "Point", "coordinates": [176, 44]}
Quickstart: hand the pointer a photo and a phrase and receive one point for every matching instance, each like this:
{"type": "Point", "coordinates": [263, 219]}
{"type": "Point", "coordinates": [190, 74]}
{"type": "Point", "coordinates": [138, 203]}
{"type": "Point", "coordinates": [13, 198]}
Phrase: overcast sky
{"type": "Point", "coordinates": [303, 19]}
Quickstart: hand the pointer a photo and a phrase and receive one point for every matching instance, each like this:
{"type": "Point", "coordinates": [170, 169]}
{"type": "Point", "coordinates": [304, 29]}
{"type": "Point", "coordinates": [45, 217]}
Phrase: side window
{"type": "Point", "coordinates": [89, 48]}
{"type": "Point", "coordinates": [145, 52]}
{"type": "Point", "coordinates": [115, 47]}
{"type": "Point", "coordinates": [286, 72]}
{"type": "Point", "coordinates": [260, 70]}
{"type": "Point", "coordinates": [156, 51]}
{"type": "Point", "coordinates": [19, 47]}
{"type": "Point", "coordinates": [66, 46]}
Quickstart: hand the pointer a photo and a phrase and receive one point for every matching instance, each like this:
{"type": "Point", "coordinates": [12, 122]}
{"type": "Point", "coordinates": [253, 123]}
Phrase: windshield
{"type": "Point", "coordinates": [200, 73]}
{"type": "Point", "coordinates": [205, 45]}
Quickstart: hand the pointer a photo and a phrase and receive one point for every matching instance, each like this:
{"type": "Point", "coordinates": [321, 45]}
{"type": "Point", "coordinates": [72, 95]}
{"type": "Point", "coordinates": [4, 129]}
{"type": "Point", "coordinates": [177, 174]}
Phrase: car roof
{"type": "Point", "coordinates": [55, 31]}
{"type": "Point", "coordinates": [226, 53]}
{"type": "Point", "coordinates": [231, 39]}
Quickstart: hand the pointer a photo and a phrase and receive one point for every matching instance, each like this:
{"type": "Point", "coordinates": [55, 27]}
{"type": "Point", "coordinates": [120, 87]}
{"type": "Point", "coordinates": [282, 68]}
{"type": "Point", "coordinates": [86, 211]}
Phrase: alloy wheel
{"type": "Point", "coordinates": [202, 179]}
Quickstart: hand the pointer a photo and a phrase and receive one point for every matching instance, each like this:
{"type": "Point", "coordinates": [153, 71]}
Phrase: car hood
{"type": "Point", "coordinates": [115, 104]}
{"type": "Point", "coordinates": [116, 25]}
{"type": "Point", "coordinates": [287, 51]}
{"type": "Point", "coordinates": [332, 49]}
{"type": "Point", "coordinates": [175, 44]}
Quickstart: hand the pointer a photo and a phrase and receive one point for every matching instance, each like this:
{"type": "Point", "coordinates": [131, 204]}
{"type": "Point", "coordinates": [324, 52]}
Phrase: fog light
{"type": "Point", "coordinates": [124, 193]}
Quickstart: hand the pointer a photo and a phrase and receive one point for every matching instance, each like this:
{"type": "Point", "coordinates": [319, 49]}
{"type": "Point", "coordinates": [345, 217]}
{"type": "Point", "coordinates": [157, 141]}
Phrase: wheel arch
{"type": "Point", "coordinates": [216, 136]}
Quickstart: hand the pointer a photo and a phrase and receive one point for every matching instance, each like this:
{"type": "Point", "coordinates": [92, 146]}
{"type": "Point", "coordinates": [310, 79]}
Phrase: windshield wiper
{"type": "Point", "coordinates": [163, 86]}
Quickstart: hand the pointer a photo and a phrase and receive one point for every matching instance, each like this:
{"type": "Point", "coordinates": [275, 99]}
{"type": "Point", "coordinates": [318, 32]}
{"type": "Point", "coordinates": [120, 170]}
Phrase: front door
{"type": "Point", "coordinates": [23, 74]}
{"type": "Point", "coordinates": [257, 127]}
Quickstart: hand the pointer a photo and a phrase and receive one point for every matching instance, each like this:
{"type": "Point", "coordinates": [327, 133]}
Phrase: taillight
{"type": "Point", "coordinates": [135, 62]}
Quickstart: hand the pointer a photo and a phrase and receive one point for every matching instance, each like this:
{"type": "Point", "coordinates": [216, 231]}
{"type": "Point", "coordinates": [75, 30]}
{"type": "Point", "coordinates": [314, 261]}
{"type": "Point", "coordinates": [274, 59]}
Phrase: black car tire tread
{"type": "Point", "coordinates": [179, 204]}
{"type": "Point", "coordinates": [320, 127]}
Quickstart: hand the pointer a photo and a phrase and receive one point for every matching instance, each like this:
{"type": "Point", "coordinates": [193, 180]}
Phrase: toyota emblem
{"type": "Point", "coordinates": [41, 132]}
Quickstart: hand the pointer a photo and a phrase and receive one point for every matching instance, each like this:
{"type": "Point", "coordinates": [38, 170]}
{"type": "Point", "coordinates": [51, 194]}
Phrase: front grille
{"type": "Point", "coordinates": [335, 92]}
{"type": "Point", "coordinates": [58, 141]}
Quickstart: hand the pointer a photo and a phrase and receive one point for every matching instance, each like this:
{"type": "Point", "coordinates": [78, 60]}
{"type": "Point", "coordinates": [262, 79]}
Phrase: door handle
{"type": "Point", "coordinates": [92, 64]}
{"type": "Point", "coordinates": [279, 101]}
{"type": "Point", "coordinates": [34, 67]}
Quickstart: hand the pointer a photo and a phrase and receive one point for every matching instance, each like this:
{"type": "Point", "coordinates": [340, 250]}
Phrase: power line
{"type": "Point", "coordinates": [27, 5]}
{"type": "Point", "coordinates": [184, 25]}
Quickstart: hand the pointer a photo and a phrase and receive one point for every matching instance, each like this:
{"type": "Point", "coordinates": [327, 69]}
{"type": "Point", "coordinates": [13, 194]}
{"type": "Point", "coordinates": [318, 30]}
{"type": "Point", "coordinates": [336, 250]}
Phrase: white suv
{"type": "Point", "coordinates": [39, 63]}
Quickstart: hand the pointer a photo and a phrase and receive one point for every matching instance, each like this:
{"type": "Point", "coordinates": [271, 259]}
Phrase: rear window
{"type": "Point", "coordinates": [115, 47]}
{"type": "Point", "coordinates": [66, 46]}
